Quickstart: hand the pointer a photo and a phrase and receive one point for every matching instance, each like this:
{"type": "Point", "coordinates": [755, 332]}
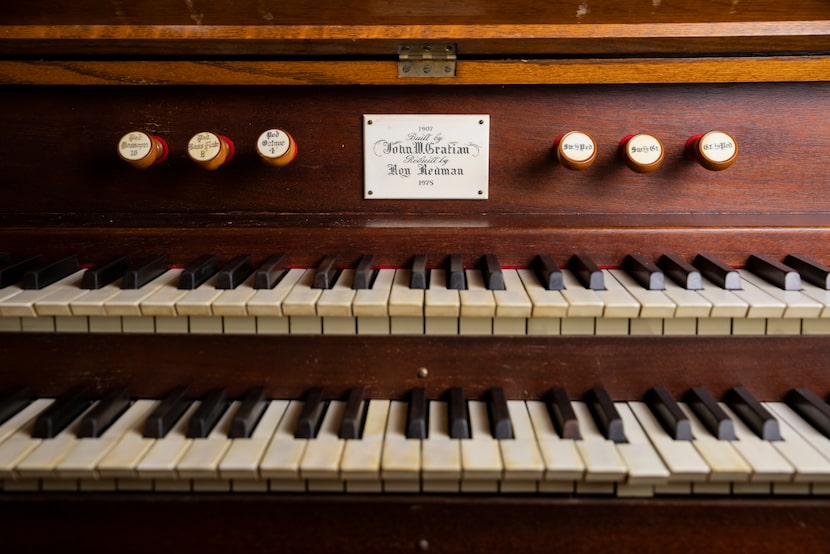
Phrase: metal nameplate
{"type": "Point", "coordinates": [426, 157]}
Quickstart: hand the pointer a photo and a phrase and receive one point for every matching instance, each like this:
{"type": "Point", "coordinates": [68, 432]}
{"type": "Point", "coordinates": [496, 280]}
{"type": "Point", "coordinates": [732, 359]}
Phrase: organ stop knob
{"type": "Point", "coordinates": [141, 150]}
{"type": "Point", "coordinates": [575, 150]}
{"type": "Point", "coordinates": [210, 150]}
{"type": "Point", "coordinates": [642, 152]}
{"type": "Point", "coordinates": [715, 150]}
{"type": "Point", "coordinates": [276, 147]}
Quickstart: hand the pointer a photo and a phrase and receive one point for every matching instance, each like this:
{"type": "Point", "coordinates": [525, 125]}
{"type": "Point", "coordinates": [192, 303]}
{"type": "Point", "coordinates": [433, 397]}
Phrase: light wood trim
{"type": "Point", "coordinates": [472, 72]}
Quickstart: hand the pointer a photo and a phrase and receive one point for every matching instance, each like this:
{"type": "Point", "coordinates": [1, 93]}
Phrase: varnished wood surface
{"type": "Point", "coordinates": [397, 523]}
{"type": "Point", "coordinates": [469, 72]}
{"type": "Point", "coordinates": [526, 367]}
{"type": "Point", "coordinates": [782, 166]}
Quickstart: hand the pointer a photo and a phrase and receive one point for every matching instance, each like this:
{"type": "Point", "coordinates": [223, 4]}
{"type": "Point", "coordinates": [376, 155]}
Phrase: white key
{"type": "Point", "coordinates": [404, 301]}
{"type": "Point", "coordinates": [401, 460]}
{"type": "Point", "coordinates": [440, 454]}
{"type": "Point", "coordinates": [24, 416]}
{"type": "Point", "coordinates": [767, 464]}
{"type": "Point", "coordinates": [810, 466]}
{"type": "Point", "coordinates": [163, 456]}
{"type": "Point", "coordinates": [439, 301]}
{"type": "Point", "coordinates": [41, 462]}
{"type": "Point", "coordinates": [689, 303]}
{"type": "Point", "coordinates": [645, 465]}
{"type": "Point", "coordinates": [513, 301]}
{"type": "Point", "coordinates": [546, 303]}
{"type": "Point", "coordinates": [682, 459]}
{"type": "Point", "coordinates": [321, 460]}
{"type": "Point", "coordinates": [810, 434]}
{"type": "Point", "coordinates": [798, 304]}
{"type": "Point", "coordinates": [561, 456]}
{"type": "Point", "coordinates": [268, 302]}
{"type": "Point", "coordinates": [761, 304]}
{"type": "Point", "coordinates": [60, 294]}
{"type": "Point", "coordinates": [521, 457]}
{"type": "Point", "coordinates": [234, 302]}
{"type": "Point", "coordinates": [128, 301]}
{"type": "Point", "coordinates": [820, 295]}
{"type": "Point", "coordinates": [374, 302]}
{"type": "Point", "coordinates": [93, 302]}
{"type": "Point", "coordinates": [602, 460]}
{"type": "Point", "coordinates": [302, 298]}
{"type": "Point", "coordinates": [337, 301]}
{"type": "Point", "coordinates": [476, 300]}
{"type": "Point", "coordinates": [201, 461]}
{"type": "Point", "coordinates": [122, 459]}
{"type": "Point", "coordinates": [24, 302]}
{"type": "Point", "coordinates": [582, 302]}
{"type": "Point", "coordinates": [481, 460]}
{"type": "Point", "coordinates": [653, 303]}
{"type": "Point", "coordinates": [725, 303]}
{"type": "Point", "coordinates": [281, 461]}
{"type": "Point", "coordinates": [197, 302]}
{"type": "Point", "coordinates": [17, 437]}
{"type": "Point", "coordinates": [360, 464]}
{"type": "Point", "coordinates": [725, 463]}
{"type": "Point", "coordinates": [163, 301]}
{"type": "Point", "coordinates": [83, 460]}
{"type": "Point", "coordinates": [619, 303]}
{"type": "Point", "coordinates": [242, 459]}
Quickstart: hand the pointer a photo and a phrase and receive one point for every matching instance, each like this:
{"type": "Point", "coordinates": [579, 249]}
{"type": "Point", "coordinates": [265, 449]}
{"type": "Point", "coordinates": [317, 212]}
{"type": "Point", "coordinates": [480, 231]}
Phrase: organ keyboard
{"type": "Point", "coordinates": [451, 277]}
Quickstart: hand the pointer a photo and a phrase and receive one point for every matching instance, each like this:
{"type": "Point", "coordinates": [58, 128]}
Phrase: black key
{"type": "Point", "coordinates": [668, 412]}
{"type": "Point", "coordinates": [458, 419]}
{"type": "Point", "coordinates": [500, 424]}
{"type": "Point", "coordinates": [416, 420]}
{"type": "Point", "coordinates": [250, 411]}
{"type": "Point", "coordinates": [811, 270]}
{"type": "Point", "coordinates": [548, 272]}
{"type": "Point", "coordinates": [104, 413]}
{"type": "Point", "coordinates": [235, 273]}
{"type": "Point", "coordinates": [326, 273]}
{"type": "Point", "coordinates": [588, 273]}
{"type": "Point", "coordinates": [811, 408]}
{"type": "Point", "coordinates": [144, 272]}
{"type": "Point", "coordinates": [363, 273]}
{"type": "Point", "coordinates": [680, 271]}
{"type": "Point", "coordinates": [270, 272]}
{"type": "Point", "coordinates": [106, 273]}
{"type": "Point", "coordinates": [774, 272]}
{"type": "Point", "coordinates": [493, 277]}
{"type": "Point", "coordinates": [711, 414]}
{"type": "Point", "coordinates": [605, 414]}
{"type": "Point", "coordinates": [756, 417]}
{"type": "Point", "coordinates": [207, 414]}
{"type": "Point", "coordinates": [645, 272]}
{"type": "Point", "coordinates": [45, 275]}
{"type": "Point", "coordinates": [353, 414]}
{"type": "Point", "coordinates": [418, 277]}
{"type": "Point", "coordinates": [311, 415]}
{"type": "Point", "coordinates": [456, 277]}
{"type": "Point", "coordinates": [720, 273]}
{"type": "Point", "coordinates": [61, 413]}
{"type": "Point", "coordinates": [166, 414]}
{"type": "Point", "coordinates": [562, 414]}
{"type": "Point", "coordinates": [198, 271]}
{"type": "Point", "coordinates": [13, 272]}
{"type": "Point", "coordinates": [12, 401]}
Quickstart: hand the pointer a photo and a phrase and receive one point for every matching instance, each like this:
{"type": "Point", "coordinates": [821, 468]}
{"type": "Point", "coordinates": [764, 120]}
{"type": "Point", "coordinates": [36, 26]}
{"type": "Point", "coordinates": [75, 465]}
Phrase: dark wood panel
{"type": "Point", "coordinates": [782, 165]}
{"type": "Point", "coordinates": [526, 367]}
{"type": "Point", "coordinates": [403, 523]}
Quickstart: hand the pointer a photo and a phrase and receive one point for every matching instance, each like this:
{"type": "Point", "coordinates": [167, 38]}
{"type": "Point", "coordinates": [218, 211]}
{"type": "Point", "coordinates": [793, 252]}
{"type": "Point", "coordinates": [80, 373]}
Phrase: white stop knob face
{"type": "Point", "coordinates": [273, 144]}
{"type": "Point", "coordinates": [204, 146]}
{"type": "Point", "coordinates": [577, 146]}
{"type": "Point", "coordinates": [717, 147]}
{"type": "Point", "coordinates": [135, 146]}
{"type": "Point", "coordinates": [644, 149]}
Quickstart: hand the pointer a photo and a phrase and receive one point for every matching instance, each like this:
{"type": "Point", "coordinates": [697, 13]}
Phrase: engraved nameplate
{"type": "Point", "coordinates": [424, 157]}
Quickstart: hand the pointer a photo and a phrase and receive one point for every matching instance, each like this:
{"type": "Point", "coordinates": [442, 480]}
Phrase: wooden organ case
{"type": "Point", "coordinates": [76, 77]}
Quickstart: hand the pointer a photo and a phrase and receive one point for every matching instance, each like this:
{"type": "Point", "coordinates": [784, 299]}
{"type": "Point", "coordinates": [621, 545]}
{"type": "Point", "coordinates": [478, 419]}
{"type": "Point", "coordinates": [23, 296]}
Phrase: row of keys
{"type": "Point", "coordinates": [207, 149]}
{"type": "Point", "coordinates": [644, 153]}
{"type": "Point", "coordinates": [596, 445]}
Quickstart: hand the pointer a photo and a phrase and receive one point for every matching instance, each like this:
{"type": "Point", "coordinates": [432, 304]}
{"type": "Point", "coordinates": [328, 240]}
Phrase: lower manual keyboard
{"type": "Point", "coordinates": [415, 445]}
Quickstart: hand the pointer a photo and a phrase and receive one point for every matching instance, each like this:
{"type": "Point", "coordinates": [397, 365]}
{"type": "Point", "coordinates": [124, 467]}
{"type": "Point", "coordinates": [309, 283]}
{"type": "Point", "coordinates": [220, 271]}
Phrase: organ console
{"type": "Point", "coordinates": [419, 333]}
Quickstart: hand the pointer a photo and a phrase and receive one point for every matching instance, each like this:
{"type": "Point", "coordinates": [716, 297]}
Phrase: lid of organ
{"type": "Point", "coordinates": [378, 28]}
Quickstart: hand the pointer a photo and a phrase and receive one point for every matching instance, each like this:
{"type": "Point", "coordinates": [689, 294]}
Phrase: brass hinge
{"type": "Point", "coordinates": [426, 60]}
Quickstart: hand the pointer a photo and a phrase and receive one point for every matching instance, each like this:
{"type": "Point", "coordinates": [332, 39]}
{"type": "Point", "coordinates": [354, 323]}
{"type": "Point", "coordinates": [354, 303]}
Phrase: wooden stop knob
{"type": "Point", "coordinates": [210, 150]}
{"type": "Point", "coordinates": [575, 150]}
{"type": "Point", "coordinates": [276, 147]}
{"type": "Point", "coordinates": [715, 150]}
{"type": "Point", "coordinates": [141, 150]}
{"type": "Point", "coordinates": [641, 152]}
